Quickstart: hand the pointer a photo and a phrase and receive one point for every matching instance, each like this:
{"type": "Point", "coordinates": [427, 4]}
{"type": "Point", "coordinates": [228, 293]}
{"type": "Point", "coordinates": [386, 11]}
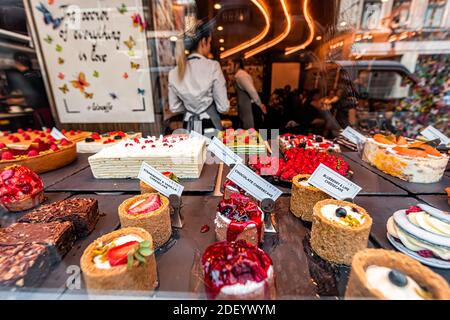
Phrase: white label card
{"type": "Point", "coordinates": [248, 180]}
{"type": "Point", "coordinates": [432, 133]}
{"type": "Point", "coordinates": [225, 154]}
{"type": "Point", "coordinates": [55, 133]}
{"type": "Point", "coordinates": [353, 135]}
{"type": "Point", "coordinates": [333, 183]}
{"type": "Point", "coordinates": [158, 181]}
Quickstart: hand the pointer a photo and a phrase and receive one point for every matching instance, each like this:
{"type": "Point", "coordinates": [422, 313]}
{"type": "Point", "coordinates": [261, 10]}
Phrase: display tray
{"type": "Point", "coordinates": [53, 177]}
{"type": "Point", "coordinates": [84, 181]}
{"type": "Point", "coordinates": [414, 188]}
{"type": "Point", "coordinates": [437, 201]}
{"type": "Point", "coordinates": [380, 209]}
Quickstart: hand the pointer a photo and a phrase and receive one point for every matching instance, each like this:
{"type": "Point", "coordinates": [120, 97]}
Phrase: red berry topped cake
{"type": "Point", "coordinates": [238, 270]}
{"type": "Point", "coordinates": [96, 142]}
{"type": "Point", "coordinates": [239, 218]}
{"type": "Point", "coordinates": [20, 188]}
{"type": "Point", "coordinates": [288, 141]}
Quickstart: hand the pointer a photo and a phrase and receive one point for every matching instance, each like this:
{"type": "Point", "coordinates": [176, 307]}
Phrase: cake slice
{"type": "Point", "coordinates": [24, 265]}
{"type": "Point", "coordinates": [83, 213]}
{"type": "Point", "coordinates": [57, 236]}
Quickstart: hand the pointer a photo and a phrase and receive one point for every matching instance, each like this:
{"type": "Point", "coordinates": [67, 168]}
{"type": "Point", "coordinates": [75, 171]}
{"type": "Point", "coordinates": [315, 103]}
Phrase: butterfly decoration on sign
{"type": "Point", "coordinates": [58, 48]}
{"type": "Point", "coordinates": [64, 89]}
{"type": "Point", "coordinates": [80, 83]}
{"type": "Point", "coordinates": [60, 60]}
{"type": "Point", "coordinates": [61, 76]}
{"type": "Point", "coordinates": [113, 96]}
{"type": "Point", "coordinates": [130, 43]}
{"type": "Point", "coordinates": [48, 39]}
{"type": "Point", "coordinates": [48, 17]}
{"type": "Point", "coordinates": [96, 74]}
{"type": "Point", "coordinates": [138, 22]}
{"type": "Point", "coordinates": [141, 91]}
{"type": "Point", "coordinates": [134, 65]}
{"type": "Point", "coordinates": [88, 95]}
{"type": "Point", "coordinates": [125, 75]}
{"type": "Point", "coordinates": [122, 9]}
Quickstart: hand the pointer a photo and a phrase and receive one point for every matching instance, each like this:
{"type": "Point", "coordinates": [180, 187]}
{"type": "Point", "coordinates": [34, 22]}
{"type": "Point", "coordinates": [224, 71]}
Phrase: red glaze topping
{"type": "Point", "coordinates": [242, 212]}
{"type": "Point", "coordinates": [17, 183]}
{"type": "Point", "coordinates": [228, 263]}
{"type": "Point", "coordinates": [413, 209]}
{"type": "Point", "coordinates": [152, 203]}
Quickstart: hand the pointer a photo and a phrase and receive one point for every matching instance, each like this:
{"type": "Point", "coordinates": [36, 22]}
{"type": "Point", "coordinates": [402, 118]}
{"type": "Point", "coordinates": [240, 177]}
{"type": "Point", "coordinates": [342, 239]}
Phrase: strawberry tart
{"type": "Point", "coordinates": [412, 161]}
{"type": "Point", "coordinates": [20, 188]}
{"type": "Point", "coordinates": [243, 141]}
{"type": "Point", "coordinates": [181, 154]}
{"type": "Point", "coordinates": [288, 141]}
{"type": "Point", "coordinates": [238, 271]}
{"type": "Point", "coordinates": [239, 218]}
{"type": "Point", "coordinates": [95, 142]}
{"type": "Point", "coordinates": [122, 260]}
{"type": "Point", "coordinates": [150, 212]}
{"type": "Point", "coordinates": [423, 232]}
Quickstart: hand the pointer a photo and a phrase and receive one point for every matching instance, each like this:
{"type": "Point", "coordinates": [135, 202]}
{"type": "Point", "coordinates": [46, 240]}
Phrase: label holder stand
{"type": "Point", "coordinates": [268, 206]}
{"type": "Point", "coordinates": [176, 217]}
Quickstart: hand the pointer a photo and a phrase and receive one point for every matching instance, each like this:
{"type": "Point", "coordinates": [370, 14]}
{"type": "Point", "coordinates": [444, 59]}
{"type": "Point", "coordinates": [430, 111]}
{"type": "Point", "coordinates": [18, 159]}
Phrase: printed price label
{"type": "Point", "coordinates": [259, 188]}
{"type": "Point", "coordinates": [158, 181]}
{"type": "Point", "coordinates": [55, 133]}
{"type": "Point", "coordinates": [431, 133]}
{"type": "Point", "coordinates": [353, 135]}
{"type": "Point", "coordinates": [333, 183]}
{"type": "Point", "coordinates": [225, 154]}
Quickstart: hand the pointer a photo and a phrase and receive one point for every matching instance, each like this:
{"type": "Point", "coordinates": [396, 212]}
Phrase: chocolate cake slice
{"type": "Point", "coordinates": [57, 236]}
{"type": "Point", "coordinates": [23, 265]}
{"type": "Point", "coordinates": [83, 213]}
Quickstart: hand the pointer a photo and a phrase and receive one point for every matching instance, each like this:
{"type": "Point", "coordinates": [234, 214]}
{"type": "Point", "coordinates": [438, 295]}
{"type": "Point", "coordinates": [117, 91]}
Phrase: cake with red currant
{"type": "Point", "coordinates": [388, 275]}
{"type": "Point", "coordinates": [35, 149]}
{"type": "Point", "coordinates": [288, 141]}
{"type": "Point", "coordinates": [145, 188]}
{"type": "Point", "coordinates": [423, 232]}
{"type": "Point", "coordinates": [339, 230]}
{"type": "Point", "coordinates": [95, 142]}
{"type": "Point", "coordinates": [239, 218]}
{"type": "Point", "coordinates": [238, 271]}
{"type": "Point", "coordinates": [150, 212]}
{"type": "Point", "coordinates": [122, 260]}
{"type": "Point", "coordinates": [20, 188]}
{"type": "Point", "coordinates": [180, 154]}
{"type": "Point", "coordinates": [242, 141]}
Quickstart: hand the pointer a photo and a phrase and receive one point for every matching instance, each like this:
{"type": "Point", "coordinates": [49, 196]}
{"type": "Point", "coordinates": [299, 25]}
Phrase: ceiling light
{"type": "Point", "coordinates": [222, 49]}
{"type": "Point", "coordinates": [173, 38]}
{"type": "Point", "coordinates": [217, 6]}
{"type": "Point", "coordinates": [318, 38]}
{"type": "Point", "coordinates": [221, 40]}
{"type": "Point", "coordinates": [220, 28]}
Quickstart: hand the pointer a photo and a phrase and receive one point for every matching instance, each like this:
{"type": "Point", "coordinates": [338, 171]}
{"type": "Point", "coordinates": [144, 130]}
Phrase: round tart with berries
{"type": "Point", "coordinates": [145, 188]}
{"type": "Point", "coordinates": [304, 197]}
{"type": "Point", "coordinates": [20, 188]}
{"type": "Point", "coordinates": [238, 270]}
{"type": "Point", "coordinates": [239, 218]}
{"type": "Point", "coordinates": [120, 260]}
{"type": "Point", "coordinates": [389, 275]}
{"type": "Point", "coordinates": [37, 150]}
{"type": "Point", "coordinates": [339, 230]}
{"type": "Point", "coordinates": [150, 212]}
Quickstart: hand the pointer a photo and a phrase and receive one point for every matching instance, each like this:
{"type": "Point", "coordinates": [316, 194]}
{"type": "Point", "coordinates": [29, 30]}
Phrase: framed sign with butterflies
{"type": "Point", "coordinates": [95, 59]}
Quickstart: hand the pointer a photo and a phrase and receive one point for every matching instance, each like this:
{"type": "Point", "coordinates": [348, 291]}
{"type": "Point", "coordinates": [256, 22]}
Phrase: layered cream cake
{"type": "Point", "coordinates": [180, 154]}
{"type": "Point", "coordinates": [425, 233]}
{"type": "Point", "coordinates": [243, 141]}
{"type": "Point", "coordinates": [412, 161]}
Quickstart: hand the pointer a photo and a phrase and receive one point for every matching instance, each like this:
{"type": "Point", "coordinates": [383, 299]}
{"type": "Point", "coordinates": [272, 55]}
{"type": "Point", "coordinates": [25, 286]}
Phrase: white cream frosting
{"type": "Point", "coordinates": [249, 286]}
{"type": "Point", "coordinates": [378, 278]}
{"type": "Point", "coordinates": [429, 223]}
{"type": "Point", "coordinates": [329, 212]}
{"type": "Point", "coordinates": [104, 264]}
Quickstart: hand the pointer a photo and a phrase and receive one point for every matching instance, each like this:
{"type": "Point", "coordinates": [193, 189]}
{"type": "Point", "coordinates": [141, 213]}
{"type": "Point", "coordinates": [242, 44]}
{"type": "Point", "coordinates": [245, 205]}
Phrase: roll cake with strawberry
{"type": "Point", "coordinates": [238, 271]}
{"type": "Point", "coordinates": [388, 275]}
{"type": "Point", "coordinates": [145, 188]}
{"type": "Point", "coordinates": [120, 260]}
{"type": "Point", "coordinates": [149, 211]}
{"type": "Point", "coordinates": [239, 218]}
{"type": "Point", "coordinates": [304, 197]}
{"type": "Point", "coordinates": [20, 188]}
{"type": "Point", "coordinates": [412, 161]}
{"type": "Point", "coordinates": [339, 230]}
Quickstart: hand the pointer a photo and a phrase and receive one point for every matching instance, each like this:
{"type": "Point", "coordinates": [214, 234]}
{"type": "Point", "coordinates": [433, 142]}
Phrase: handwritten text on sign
{"type": "Point", "coordinates": [225, 154]}
{"type": "Point", "coordinates": [256, 186]}
{"type": "Point", "coordinates": [353, 135]}
{"type": "Point", "coordinates": [158, 181]}
{"type": "Point", "coordinates": [333, 183]}
{"type": "Point", "coordinates": [432, 133]}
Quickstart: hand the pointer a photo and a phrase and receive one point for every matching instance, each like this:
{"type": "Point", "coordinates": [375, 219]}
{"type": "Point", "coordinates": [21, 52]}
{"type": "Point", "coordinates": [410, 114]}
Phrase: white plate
{"type": "Point", "coordinates": [432, 262]}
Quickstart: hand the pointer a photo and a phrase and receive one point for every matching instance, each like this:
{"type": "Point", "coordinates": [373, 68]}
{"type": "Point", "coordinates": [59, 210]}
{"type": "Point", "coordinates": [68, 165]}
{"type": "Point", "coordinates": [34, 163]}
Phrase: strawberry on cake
{"type": "Point", "coordinates": [239, 218]}
{"type": "Point", "coordinates": [238, 271]}
{"type": "Point", "coordinates": [20, 188]}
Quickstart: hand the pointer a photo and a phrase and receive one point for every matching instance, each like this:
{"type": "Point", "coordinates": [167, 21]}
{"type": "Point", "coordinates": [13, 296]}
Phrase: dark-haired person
{"type": "Point", "coordinates": [197, 85]}
{"type": "Point", "coordinates": [247, 95]}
